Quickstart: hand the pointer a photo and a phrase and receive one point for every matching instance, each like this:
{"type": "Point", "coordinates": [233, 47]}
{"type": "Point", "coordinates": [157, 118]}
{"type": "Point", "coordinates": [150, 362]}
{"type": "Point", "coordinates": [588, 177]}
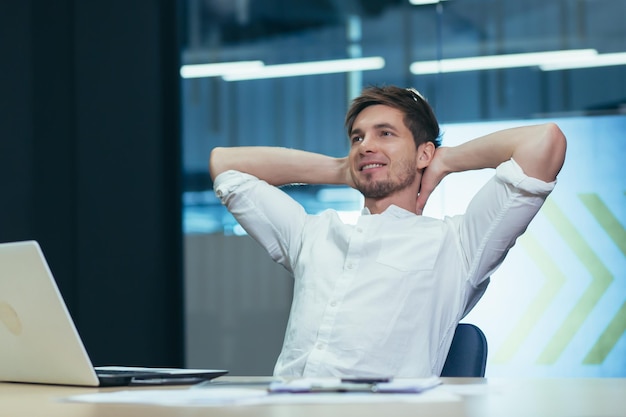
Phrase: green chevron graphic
{"type": "Point", "coordinates": [553, 283]}
{"type": "Point", "coordinates": [601, 279]}
{"type": "Point", "coordinates": [608, 339]}
{"type": "Point", "coordinates": [606, 219]}
{"type": "Point", "coordinates": [617, 233]}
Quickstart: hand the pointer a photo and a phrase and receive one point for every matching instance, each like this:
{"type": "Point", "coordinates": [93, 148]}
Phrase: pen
{"type": "Point", "coordinates": [365, 380]}
{"type": "Point", "coordinates": [344, 387]}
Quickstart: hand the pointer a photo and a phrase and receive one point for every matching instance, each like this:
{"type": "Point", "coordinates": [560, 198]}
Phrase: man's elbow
{"type": "Point", "coordinates": [216, 162]}
{"type": "Point", "coordinates": [554, 146]}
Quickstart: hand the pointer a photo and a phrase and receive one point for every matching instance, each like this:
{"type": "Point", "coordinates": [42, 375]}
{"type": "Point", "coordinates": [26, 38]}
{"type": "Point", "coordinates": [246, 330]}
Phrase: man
{"type": "Point", "coordinates": [383, 297]}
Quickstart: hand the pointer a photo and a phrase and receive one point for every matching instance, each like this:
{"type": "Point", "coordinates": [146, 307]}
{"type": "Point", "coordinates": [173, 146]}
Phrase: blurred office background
{"type": "Point", "coordinates": [558, 305]}
{"type": "Point", "coordinates": [106, 127]}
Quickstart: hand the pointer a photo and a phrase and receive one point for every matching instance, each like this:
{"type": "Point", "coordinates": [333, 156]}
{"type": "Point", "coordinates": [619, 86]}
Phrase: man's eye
{"type": "Point", "coordinates": [356, 139]}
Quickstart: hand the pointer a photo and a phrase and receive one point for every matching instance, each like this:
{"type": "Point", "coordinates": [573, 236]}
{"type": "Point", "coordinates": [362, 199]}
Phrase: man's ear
{"type": "Point", "coordinates": [425, 153]}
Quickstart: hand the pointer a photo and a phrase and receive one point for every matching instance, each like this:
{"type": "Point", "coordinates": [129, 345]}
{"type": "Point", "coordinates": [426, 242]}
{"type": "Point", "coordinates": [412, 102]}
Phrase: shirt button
{"type": "Point", "coordinates": [219, 193]}
{"type": "Point", "coordinates": [349, 266]}
{"type": "Point", "coordinates": [333, 303]}
{"type": "Point", "coordinates": [359, 230]}
{"type": "Point", "coordinates": [320, 346]}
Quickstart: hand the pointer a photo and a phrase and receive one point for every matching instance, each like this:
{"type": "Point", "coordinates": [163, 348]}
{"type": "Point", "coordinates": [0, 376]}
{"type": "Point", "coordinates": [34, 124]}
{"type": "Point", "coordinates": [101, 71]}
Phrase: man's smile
{"type": "Point", "coordinates": [371, 166]}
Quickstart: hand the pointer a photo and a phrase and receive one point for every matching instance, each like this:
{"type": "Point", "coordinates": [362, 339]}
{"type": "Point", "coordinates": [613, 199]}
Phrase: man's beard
{"type": "Point", "coordinates": [386, 187]}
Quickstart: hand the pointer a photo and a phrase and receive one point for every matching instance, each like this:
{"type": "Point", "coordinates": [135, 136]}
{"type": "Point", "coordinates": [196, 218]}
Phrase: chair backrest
{"type": "Point", "coordinates": [468, 353]}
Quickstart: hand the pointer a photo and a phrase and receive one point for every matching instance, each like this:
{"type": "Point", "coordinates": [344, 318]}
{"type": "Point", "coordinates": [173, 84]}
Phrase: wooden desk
{"type": "Point", "coordinates": [604, 397]}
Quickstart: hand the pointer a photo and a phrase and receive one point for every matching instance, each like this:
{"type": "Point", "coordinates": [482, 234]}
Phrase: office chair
{"type": "Point", "coordinates": [468, 353]}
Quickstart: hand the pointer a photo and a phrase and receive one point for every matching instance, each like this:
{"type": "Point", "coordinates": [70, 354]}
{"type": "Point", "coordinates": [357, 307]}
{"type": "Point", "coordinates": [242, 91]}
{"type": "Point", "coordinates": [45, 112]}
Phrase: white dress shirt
{"type": "Point", "coordinates": [381, 297]}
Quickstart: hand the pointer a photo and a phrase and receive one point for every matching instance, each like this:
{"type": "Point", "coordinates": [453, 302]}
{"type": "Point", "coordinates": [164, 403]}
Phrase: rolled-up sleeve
{"type": "Point", "coordinates": [267, 214]}
{"type": "Point", "coordinates": [497, 215]}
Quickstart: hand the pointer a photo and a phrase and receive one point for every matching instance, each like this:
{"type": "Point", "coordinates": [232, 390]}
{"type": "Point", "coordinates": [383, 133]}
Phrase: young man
{"type": "Point", "coordinates": [383, 297]}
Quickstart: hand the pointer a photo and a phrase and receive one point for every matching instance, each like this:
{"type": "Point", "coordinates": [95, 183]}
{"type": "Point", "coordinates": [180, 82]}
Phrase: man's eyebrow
{"type": "Point", "coordinates": [379, 126]}
{"type": "Point", "coordinates": [385, 126]}
{"type": "Point", "coordinates": [355, 131]}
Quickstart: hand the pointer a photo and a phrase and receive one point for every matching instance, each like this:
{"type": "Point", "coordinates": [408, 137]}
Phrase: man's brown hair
{"type": "Point", "coordinates": [419, 117]}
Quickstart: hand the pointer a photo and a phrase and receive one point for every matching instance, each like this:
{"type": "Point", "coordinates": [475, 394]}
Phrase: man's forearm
{"type": "Point", "coordinates": [279, 166]}
{"type": "Point", "coordinates": [538, 149]}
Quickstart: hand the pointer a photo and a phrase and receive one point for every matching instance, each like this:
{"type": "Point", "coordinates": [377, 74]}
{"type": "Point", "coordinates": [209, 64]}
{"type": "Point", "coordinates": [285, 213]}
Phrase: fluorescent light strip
{"type": "Point", "coordinates": [601, 60]}
{"type": "Point", "coordinates": [306, 68]}
{"type": "Point", "coordinates": [423, 2]}
{"type": "Point", "coordinates": [500, 61]}
{"type": "Point", "coordinates": [216, 70]}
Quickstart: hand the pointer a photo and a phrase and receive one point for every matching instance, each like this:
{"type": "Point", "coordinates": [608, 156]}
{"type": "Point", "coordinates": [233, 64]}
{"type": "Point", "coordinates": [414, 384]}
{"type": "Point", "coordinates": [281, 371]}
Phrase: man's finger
{"type": "Point", "coordinates": [421, 202]}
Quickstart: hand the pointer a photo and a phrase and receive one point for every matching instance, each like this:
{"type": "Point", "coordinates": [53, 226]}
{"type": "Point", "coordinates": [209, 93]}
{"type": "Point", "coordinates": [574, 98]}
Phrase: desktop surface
{"type": "Point", "coordinates": [536, 397]}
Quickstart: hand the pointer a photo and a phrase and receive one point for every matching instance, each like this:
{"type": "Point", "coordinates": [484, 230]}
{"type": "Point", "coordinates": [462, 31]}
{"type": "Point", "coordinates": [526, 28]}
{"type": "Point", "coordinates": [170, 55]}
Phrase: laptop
{"type": "Point", "coordinates": [39, 342]}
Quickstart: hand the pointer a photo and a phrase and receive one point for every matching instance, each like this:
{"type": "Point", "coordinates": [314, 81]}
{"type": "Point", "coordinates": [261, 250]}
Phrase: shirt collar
{"type": "Point", "coordinates": [392, 210]}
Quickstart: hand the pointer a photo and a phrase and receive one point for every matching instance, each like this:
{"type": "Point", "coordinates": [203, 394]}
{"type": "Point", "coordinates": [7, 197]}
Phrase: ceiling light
{"type": "Point", "coordinates": [423, 2]}
{"type": "Point", "coordinates": [601, 60]}
{"type": "Point", "coordinates": [306, 68]}
{"type": "Point", "coordinates": [217, 69]}
{"type": "Point", "coordinates": [500, 61]}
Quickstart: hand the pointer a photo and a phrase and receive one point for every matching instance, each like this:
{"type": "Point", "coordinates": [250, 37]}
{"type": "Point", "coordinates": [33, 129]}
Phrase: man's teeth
{"type": "Point", "coordinates": [371, 166]}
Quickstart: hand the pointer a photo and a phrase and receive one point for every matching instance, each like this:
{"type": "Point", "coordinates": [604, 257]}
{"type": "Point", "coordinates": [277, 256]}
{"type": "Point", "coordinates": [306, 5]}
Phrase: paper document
{"type": "Point", "coordinates": [401, 390]}
{"type": "Point", "coordinates": [388, 386]}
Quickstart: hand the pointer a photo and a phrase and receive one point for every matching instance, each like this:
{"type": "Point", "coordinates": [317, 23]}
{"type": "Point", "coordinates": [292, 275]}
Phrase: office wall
{"type": "Point", "coordinates": [237, 303]}
{"type": "Point", "coordinates": [89, 165]}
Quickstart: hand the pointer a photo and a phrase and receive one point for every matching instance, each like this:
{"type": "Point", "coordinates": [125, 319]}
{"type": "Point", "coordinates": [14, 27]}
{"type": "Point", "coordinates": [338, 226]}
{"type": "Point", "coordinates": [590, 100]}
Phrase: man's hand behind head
{"type": "Point", "coordinates": [431, 177]}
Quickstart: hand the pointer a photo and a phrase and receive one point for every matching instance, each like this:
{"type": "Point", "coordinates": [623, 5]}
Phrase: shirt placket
{"type": "Point", "coordinates": [322, 350]}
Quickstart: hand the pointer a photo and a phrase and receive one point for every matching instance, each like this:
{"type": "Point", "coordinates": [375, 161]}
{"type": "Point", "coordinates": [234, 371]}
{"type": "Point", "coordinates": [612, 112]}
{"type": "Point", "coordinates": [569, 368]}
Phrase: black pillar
{"type": "Point", "coordinates": [90, 165]}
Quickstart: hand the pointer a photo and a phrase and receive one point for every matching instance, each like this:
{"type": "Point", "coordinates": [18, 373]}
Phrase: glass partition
{"type": "Point", "coordinates": [245, 83]}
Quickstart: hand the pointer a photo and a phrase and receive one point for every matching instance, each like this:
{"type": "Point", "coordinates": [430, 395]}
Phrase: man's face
{"type": "Point", "coordinates": [383, 155]}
